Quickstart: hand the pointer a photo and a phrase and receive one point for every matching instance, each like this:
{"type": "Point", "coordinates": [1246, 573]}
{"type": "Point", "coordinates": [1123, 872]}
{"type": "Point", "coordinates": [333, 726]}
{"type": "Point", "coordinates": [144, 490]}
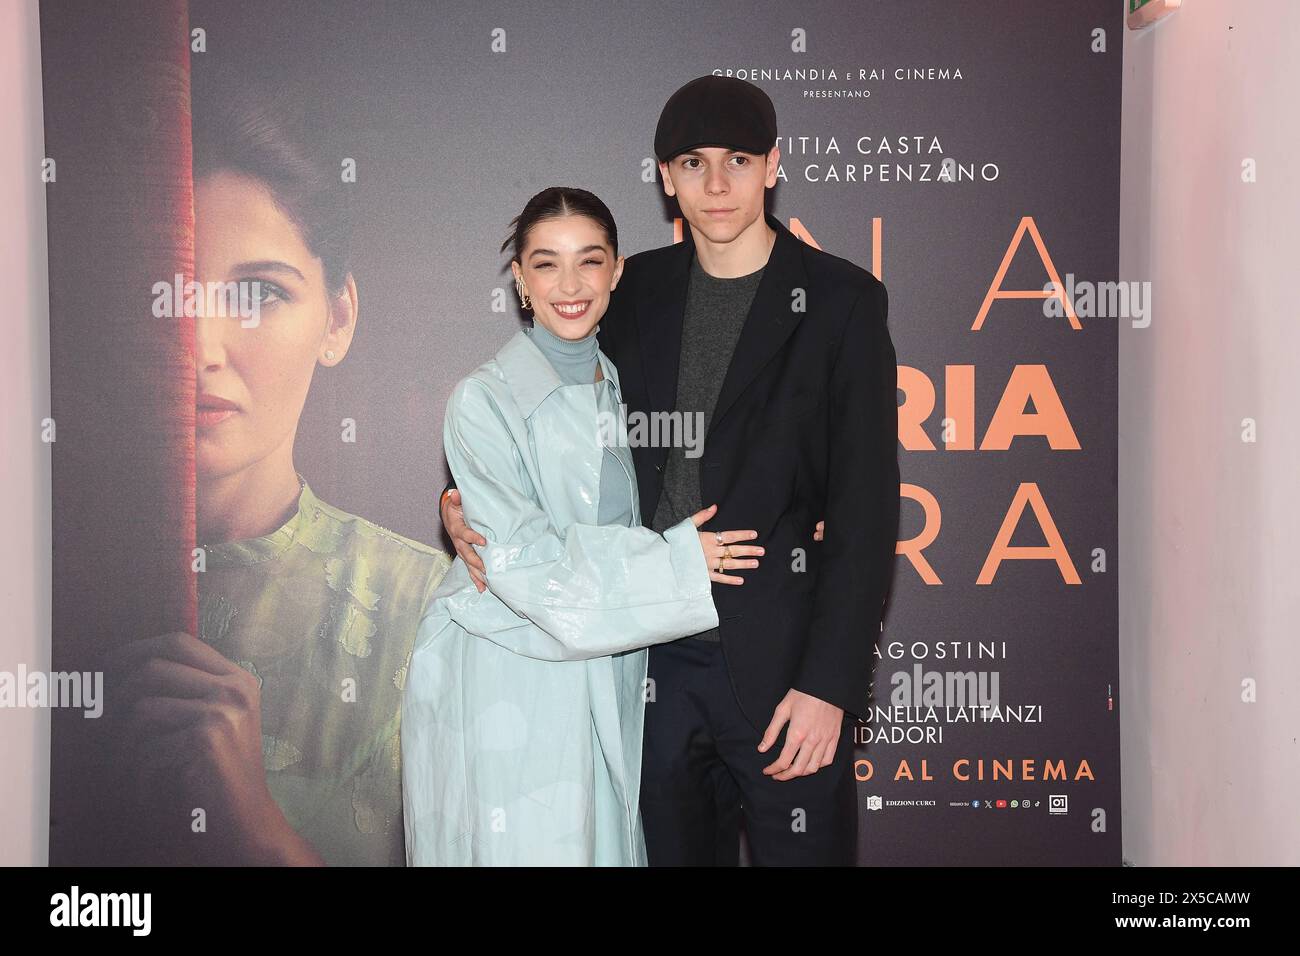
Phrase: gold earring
{"type": "Point", "coordinates": [524, 298]}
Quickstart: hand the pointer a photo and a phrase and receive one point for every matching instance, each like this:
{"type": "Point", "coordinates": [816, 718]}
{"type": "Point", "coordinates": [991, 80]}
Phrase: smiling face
{"type": "Point", "coordinates": [253, 381]}
{"type": "Point", "coordinates": [720, 190]}
{"type": "Point", "coordinates": [569, 269]}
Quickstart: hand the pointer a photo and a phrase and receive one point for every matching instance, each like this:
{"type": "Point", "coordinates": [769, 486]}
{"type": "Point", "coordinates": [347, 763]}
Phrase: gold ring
{"type": "Point", "coordinates": [726, 552]}
{"type": "Point", "coordinates": [718, 569]}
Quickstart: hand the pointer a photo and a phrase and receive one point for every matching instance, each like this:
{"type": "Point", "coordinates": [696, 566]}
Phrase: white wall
{"type": "Point", "coordinates": [1208, 524]}
{"type": "Point", "coordinates": [24, 459]}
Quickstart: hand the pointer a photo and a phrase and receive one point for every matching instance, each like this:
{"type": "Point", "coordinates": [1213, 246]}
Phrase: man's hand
{"type": "Point", "coordinates": [810, 739]}
{"type": "Point", "coordinates": [463, 537]}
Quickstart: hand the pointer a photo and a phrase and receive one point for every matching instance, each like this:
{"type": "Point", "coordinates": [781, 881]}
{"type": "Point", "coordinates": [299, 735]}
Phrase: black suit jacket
{"type": "Point", "coordinates": [805, 428]}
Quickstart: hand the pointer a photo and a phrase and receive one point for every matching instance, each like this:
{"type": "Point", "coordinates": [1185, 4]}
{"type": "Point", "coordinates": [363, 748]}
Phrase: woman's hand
{"type": "Point", "coordinates": [722, 553]}
{"type": "Point", "coordinates": [463, 537]}
{"type": "Point", "coordinates": [195, 716]}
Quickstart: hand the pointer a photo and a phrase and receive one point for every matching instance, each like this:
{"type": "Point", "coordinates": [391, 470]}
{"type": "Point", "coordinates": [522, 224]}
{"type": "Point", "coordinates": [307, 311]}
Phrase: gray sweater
{"type": "Point", "coordinates": [715, 313]}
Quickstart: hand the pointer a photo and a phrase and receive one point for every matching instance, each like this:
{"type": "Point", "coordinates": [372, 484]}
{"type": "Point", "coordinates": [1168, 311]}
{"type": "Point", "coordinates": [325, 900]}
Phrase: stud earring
{"type": "Point", "coordinates": [329, 354]}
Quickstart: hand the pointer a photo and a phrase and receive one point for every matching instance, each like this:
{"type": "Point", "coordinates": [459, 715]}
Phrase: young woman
{"type": "Point", "coordinates": [280, 718]}
{"type": "Point", "coordinates": [524, 704]}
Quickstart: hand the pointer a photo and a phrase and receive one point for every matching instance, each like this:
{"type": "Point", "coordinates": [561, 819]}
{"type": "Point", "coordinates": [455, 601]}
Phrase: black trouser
{"type": "Point", "coordinates": [701, 772]}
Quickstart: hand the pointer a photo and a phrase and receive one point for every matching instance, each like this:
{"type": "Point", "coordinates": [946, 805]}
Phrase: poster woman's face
{"type": "Point", "coordinates": [253, 377]}
{"type": "Point", "coordinates": [569, 270]}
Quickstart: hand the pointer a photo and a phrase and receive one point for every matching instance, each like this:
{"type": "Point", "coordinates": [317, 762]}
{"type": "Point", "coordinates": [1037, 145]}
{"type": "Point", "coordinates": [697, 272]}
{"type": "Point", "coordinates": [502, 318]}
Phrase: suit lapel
{"type": "Point", "coordinates": [770, 322]}
{"type": "Point", "coordinates": [659, 327]}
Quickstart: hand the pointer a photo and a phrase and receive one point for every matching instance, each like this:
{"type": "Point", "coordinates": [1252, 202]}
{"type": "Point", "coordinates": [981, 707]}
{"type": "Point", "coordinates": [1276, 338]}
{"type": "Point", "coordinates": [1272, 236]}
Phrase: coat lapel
{"type": "Point", "coordinates": [528, 373]}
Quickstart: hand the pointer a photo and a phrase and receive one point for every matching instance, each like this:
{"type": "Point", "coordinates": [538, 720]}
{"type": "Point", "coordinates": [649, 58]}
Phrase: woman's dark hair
{"type": "Point", "coordinates": [556, 201]}
{"type": "Point", "coordinates": [240, 127]}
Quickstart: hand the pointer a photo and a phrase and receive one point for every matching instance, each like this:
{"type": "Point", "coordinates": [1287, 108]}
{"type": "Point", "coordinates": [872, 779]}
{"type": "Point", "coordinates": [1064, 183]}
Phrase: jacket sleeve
{"type": "Point", "coordinates": [563, 593]}
{"type": "Point", "coordinates": [861, 513]}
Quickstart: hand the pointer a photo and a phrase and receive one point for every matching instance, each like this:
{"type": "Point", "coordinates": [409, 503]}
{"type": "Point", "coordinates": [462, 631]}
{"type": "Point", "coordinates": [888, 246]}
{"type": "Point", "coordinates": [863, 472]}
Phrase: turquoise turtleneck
{"type": "Point", "coordinates": [575, 361]}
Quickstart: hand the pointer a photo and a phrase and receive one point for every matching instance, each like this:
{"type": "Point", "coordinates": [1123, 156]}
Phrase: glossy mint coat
{"type": "Point", "coordinates": [523, 708]}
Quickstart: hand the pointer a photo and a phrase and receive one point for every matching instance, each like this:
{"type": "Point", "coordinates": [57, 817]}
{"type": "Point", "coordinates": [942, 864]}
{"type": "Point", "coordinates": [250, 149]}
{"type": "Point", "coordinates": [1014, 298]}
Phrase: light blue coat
{"type": "Point", "coordinates": [524, 705]}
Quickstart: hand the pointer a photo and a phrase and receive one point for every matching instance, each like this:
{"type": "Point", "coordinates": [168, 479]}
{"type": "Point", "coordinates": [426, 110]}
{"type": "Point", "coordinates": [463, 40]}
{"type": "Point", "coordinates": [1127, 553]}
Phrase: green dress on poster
{"type": "Point", "coordinates": [324, 611]}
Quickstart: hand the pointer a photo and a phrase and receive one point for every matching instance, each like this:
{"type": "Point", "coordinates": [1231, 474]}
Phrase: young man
{"type": "Point", "coordinates": [784, 351]}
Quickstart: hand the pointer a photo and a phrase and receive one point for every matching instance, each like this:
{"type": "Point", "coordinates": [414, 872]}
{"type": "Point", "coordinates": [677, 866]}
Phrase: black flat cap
{"type": "Point", "coordinates": [716, 111]}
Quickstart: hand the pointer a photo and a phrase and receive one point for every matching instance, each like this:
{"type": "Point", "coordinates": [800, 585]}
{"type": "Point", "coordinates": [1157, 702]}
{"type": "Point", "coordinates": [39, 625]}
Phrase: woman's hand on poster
{"type": "Point", "coordinates": [189, 711]}
{"type": "Point", "coordinates": [463, 537]}
{"type": "Point", "coordinates": [819, 532]}
{"type": "Point", "coordinates": [722, 552]}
